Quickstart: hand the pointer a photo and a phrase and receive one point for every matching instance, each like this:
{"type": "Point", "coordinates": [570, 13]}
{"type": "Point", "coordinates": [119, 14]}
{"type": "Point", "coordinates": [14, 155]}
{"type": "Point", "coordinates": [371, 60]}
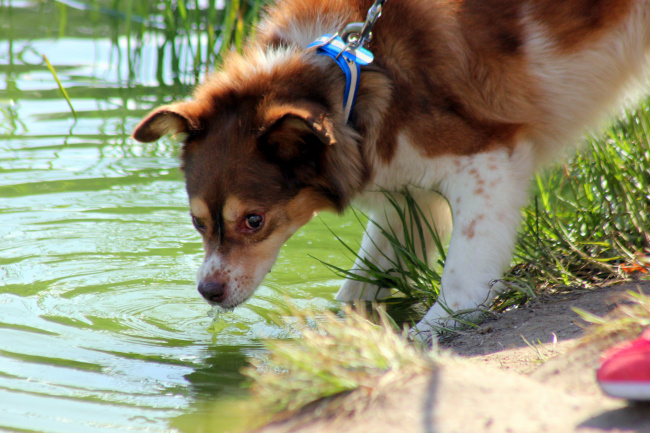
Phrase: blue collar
{"type": "Point", "coordinates": [350, 61]}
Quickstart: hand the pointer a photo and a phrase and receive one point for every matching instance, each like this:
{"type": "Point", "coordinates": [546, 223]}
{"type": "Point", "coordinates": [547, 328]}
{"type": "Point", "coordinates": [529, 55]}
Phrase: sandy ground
{"type": "Point", "coordinates": [499, 383]}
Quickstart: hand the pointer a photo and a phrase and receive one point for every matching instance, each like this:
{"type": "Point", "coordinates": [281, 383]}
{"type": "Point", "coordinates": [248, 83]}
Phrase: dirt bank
{"type": "Point", "coordinates": [520, 372]}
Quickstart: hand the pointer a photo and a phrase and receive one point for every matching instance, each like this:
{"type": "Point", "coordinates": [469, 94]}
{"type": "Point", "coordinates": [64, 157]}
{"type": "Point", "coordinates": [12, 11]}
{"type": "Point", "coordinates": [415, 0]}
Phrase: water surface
{"type": "Point", "coordinates": [101, 327]}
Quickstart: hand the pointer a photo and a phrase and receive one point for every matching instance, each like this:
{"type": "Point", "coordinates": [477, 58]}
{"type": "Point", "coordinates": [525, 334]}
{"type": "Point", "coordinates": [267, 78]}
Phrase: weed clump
{"type": "Point", "coordinates": [351, 355]}
{"type": "Point", "coordinates": [624, 323]}
{"type": "Point", "coordinates": [409, 271]}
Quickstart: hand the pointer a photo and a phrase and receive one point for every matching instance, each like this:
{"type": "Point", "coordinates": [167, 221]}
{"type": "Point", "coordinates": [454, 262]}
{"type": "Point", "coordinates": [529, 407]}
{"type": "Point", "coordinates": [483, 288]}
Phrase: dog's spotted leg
{"type": "Point", "coordinates": [377, 249]}
{"type": "Point", "coordinates": [486, 192]}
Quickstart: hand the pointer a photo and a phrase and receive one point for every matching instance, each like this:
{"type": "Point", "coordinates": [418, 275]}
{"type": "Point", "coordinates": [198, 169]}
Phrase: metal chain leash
{"type": "Point", "coordinates": [356, 34]}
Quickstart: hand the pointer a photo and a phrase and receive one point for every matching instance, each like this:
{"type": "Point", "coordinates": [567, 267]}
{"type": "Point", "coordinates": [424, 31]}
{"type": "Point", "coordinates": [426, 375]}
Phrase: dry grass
{"type": "Point", "coordinates": [350, 356]}
{"type": "Point", "coordinates": [626, 322]}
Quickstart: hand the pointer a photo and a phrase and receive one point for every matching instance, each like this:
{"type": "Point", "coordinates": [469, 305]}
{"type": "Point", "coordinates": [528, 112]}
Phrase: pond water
{"type": "Point", "coordinates": [101, 326]}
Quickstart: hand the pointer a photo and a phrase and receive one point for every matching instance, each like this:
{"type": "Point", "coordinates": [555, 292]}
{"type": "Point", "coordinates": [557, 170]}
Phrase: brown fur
{"type": "Point", "coordinates": [449, 71]}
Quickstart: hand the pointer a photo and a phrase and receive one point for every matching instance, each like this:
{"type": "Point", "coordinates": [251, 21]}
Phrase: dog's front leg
{"type": "Point", "coordinates": [486, 192]}
{"type": "Point", "coordinates": [377, 249]}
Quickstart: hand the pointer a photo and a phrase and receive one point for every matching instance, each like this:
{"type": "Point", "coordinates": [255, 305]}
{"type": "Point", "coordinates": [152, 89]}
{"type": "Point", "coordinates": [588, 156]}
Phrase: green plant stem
{"type": "Point", "coordinates": [58, 82]}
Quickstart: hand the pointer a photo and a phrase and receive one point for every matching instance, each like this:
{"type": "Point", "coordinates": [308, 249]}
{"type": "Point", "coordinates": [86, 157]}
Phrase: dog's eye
{"type": "Point", "coordinates": [254, 222]}
{"type": "Point", "coordinates": [198, 224]}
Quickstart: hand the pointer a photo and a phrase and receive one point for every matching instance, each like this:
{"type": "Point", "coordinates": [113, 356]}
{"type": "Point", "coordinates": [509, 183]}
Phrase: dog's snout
{"type": "Point", "coordinates": [212, 292]}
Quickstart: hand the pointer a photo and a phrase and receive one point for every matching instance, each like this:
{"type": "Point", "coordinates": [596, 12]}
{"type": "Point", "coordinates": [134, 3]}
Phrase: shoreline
{"type": "Point", "coordinates": [523, 371]}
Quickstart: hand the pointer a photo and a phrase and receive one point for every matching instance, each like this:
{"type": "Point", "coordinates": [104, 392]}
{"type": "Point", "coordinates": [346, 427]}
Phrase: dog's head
{"type": "Point", "coordinates": [264, 148]}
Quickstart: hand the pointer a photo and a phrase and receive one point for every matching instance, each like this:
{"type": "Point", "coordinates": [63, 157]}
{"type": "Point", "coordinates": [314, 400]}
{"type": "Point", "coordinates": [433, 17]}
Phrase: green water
{"type": "Point", "coordinates": [101, 326]}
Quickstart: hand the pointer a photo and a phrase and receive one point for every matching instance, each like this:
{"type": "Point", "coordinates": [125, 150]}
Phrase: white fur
{"type": "Point", "coordinates": [211, 265]}
{"type": "Point", "coordinates": [486, 192]}
{"type": "Point", "coordinates": [580, 88]}
{"type": "Point", "coordinates": [303, 33]}
{"type": "Point", "coordinates": [242, 277]}
{"type": "Point", "coordinates": [266, 60]}
{"type": "Point", "coordinates": [407, 168]}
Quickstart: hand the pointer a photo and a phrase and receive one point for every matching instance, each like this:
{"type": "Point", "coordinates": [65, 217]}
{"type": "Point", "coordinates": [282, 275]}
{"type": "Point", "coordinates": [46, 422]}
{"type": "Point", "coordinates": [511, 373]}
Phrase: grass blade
{"type": "Point", "coordinates": [58, 82]}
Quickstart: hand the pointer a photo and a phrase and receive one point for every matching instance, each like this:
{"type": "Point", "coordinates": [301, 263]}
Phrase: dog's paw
{"type": "Point", "coordinates": [422, 335]}
{"type": "Point", "coordinates": [426, 330]}
{"type": "Point", "coordinates": [440, 319]}
{"type": "Point", "coordinates": [352, 290]}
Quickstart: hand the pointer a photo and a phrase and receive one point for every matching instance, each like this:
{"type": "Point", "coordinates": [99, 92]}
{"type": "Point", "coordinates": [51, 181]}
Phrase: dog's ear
{"type": "Point", "coordinates": [310, 150]}
{"type": "Point", "coordinates": [296, 136]}
{"type": "Point", "coordinates": [171, 119]}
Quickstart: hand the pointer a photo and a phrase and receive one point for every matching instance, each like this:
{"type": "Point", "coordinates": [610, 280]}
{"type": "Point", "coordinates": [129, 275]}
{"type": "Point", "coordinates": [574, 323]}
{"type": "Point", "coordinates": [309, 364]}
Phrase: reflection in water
{"type": "Point", "coordinates": [101, 328]}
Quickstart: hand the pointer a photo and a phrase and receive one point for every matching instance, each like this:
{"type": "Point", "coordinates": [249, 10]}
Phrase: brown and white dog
{"type": "Point", "coordinates": [465, 97]}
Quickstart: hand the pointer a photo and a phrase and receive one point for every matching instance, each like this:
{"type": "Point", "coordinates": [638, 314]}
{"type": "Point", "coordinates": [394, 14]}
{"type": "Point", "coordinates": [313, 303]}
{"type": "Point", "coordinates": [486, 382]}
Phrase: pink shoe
{"type": "Point", "coordinates": [625, 369]}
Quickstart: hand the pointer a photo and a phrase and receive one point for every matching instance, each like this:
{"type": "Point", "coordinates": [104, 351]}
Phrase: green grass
{"type": "Point", "coordinates": [591, 215]}
{"type": "Point", "coordinates": [225, 29]}
{"type": "Point", "coordinates": [58, 82]}
{"type": "Point", "coordinates": [191, 35]}
{"type": "Point", "coordinates": [416, 280]}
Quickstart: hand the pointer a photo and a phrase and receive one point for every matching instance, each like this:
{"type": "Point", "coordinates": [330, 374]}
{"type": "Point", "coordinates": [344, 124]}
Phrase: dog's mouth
{"type": "Point", "coordinates": [225, 307]}
{"type": "Point", "coordinates": [218, 309]}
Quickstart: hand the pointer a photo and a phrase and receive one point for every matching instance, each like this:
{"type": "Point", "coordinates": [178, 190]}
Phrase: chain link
{"type": "Point", "coordinates": [357, 34]}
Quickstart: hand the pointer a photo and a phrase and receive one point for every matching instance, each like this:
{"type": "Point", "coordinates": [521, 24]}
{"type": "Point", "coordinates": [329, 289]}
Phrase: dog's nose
{"type": "Point", "coordinates": [212, 292]}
